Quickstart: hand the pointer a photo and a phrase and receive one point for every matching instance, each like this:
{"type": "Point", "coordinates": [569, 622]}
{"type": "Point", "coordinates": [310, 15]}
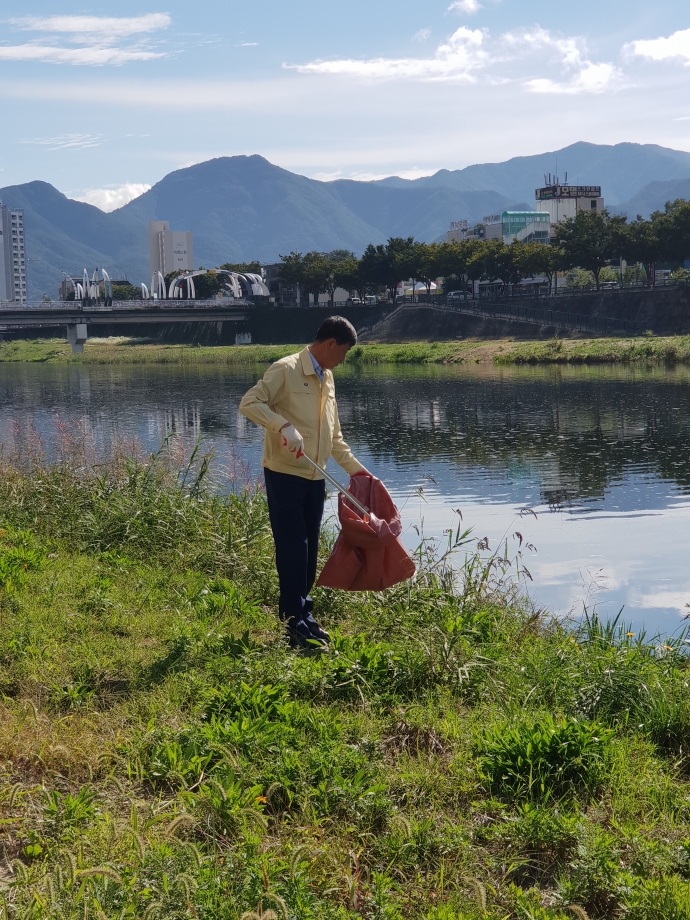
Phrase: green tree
{"type": "Point", "coordinates": [388, 265]}
{"type": "Point", "coordinates": [320, 272]}
{"type": "Point", "coordinates": [672, 227]}
{"type": "Point", "coordinates": [642, 244]}
{"type": "Point", "coordinates": [476, 261]}
{"type": "Point", "coordinates": [506, 262]}
{"type": "Point", "coordinates": [581, 279]}
{"type": "Point", "coordinates": [126, 292]}
{"type": "Point", "coordinates": [427, 263]}
{"type": "Point", "coordinates": [242, 267]}
{"type": "Point", "coordinates": [454, 258]}
{"type": "Point", "coordinates": [331, 270]}
{"type": "Point", "coordinates": [401, 254]}
{"type": "Point", "coordinates": [372, 267]}
{"type": "Point", "coordinates": [495, 261]}
{"type": "Point", "coordinates": [292, 270]}
{"type": "Point", "coordinates": [539, 259]}
{"type": "Point", "coordinates": [590, 240]}
{"type": "Point", "coordinates": [314, 272]}
{"type": "Point", "coordinates": [348, 276]}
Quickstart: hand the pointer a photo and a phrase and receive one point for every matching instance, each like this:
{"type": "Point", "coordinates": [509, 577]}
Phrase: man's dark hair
{"type": "Point", "coordinates": [338, 328]}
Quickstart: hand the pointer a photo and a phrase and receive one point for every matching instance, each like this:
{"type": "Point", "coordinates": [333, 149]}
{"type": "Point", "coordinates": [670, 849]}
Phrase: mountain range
{"type": "Point", "coordinates": [243, 207]}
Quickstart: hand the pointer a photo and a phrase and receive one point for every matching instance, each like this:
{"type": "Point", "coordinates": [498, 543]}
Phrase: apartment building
{"type": "Point", "coordinates": [13, 261]}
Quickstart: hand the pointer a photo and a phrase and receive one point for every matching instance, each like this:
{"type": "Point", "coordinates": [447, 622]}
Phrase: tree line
{"type": "Point", "coordinates": [590, 240]}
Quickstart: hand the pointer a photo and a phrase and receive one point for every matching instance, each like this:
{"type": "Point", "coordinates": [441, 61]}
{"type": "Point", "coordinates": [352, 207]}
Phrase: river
{"type": "Point", "coordinates": [600, 455]}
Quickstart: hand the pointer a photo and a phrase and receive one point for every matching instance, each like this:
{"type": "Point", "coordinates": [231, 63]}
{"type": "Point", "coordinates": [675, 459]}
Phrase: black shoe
{"type": "Point", "coordinates": [318, 632]}
{"type": "Point", "coordinates": [300, 636]}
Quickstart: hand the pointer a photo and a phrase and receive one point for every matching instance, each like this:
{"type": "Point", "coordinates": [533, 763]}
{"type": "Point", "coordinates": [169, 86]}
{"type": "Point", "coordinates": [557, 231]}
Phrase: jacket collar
{"type": "Point", "coordinates": [307, 365]}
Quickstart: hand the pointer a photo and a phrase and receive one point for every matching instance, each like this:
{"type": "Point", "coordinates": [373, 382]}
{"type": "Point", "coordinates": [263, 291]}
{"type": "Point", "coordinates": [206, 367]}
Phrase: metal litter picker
{"type": "Point", "coordinates": [334, 482]}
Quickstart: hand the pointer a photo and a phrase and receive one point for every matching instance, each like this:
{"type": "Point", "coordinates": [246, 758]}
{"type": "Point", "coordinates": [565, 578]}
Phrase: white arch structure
{"type": "Point", "coordinates": [88, 290]}
{"type": "Point", "coordinates": [252, 282]}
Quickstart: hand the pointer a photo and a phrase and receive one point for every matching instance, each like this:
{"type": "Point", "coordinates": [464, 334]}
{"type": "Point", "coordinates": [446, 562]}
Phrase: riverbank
{"type": "Point", "coordinates": [456, 754]}
{"type": "Point", "coordinates": [649, 349]}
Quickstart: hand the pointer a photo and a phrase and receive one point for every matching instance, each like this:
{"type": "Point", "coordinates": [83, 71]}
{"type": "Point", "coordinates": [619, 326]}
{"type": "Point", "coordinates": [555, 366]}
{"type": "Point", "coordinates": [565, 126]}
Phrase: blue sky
{"type": "Point", "coordinates": [104, 104]}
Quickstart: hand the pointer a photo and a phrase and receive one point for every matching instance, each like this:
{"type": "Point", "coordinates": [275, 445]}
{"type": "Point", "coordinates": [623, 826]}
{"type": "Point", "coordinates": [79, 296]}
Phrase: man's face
{"type": "Point", "coordinates": [333, 354]}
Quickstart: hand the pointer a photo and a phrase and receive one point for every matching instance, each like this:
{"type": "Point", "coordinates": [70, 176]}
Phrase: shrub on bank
{"type": "Point", "coordinates": [544, 759]}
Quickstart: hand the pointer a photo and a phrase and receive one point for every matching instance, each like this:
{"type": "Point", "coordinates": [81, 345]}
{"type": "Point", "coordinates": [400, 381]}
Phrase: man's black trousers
{"type": "Point", "coordinates": [295, 508]}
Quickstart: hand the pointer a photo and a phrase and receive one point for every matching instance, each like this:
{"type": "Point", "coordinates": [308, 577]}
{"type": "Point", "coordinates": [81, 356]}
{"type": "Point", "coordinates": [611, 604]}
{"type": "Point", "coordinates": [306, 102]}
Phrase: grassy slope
{"type": "Point", "coordinates": [163, 754]}
{"type": "Point", "coordinates": [671, 349]}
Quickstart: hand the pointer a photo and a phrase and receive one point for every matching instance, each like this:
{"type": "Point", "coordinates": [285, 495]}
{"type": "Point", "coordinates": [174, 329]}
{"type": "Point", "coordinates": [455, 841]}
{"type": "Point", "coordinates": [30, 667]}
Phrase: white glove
{"type": "Point", "coordinates": [292, 440]}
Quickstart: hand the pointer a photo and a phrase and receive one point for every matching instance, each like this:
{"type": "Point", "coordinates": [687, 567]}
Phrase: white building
{"type": "Point", "coordinates": [170, 250]}
{"type": "Point", "coordinates": [561, 201]}
{"type": "Point", "coordinates": [13, 260]}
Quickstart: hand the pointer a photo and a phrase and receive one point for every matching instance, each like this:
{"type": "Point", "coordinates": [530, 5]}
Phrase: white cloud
{"type": "Point", "coordinates": [569, 50]}
{"type": "Point", "coordinates": [422, 36]}
{"type": "Point", "coordinates": [676, 600]}
{"type": "Point", "coordinates": [96, 36]}
{"type": "Point", "coordinates": [663, 49]}
{"type": "Point", "coordinates": [592, 78]}
{"type": "Point", "coordinates": [67, 141]}
{"type": "Point", "coordinates": [109, 26]}
{"type": "Point", "coordinates": [247, 44]}
{"type": "Point", "coordinates": [93, 56]}
{"type": "Point", "coordinates": [332, 176]}
{"type": "Point", "coordinates": [470, 54]}
{"type": "Point", "coordinates": [466, 6]}
{"type": "Point", "coordinates": [112, 197]}
{"type": "Point", "coordinates": [581, 76]}
{"type": "Point", "coordinates": [455, 59]}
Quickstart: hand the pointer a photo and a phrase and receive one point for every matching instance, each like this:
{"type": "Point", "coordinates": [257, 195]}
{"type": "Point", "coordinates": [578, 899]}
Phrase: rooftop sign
{"type": "Point", "coordinates": [568, 191]}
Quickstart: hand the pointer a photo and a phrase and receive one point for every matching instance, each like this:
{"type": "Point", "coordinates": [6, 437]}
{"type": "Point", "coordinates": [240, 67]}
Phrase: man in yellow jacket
{"type": "Point", "coordinates": [295, 404]}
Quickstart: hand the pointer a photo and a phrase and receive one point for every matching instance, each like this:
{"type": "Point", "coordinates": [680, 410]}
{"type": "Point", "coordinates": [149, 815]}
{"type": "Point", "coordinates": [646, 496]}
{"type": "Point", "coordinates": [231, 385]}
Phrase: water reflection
{"type": "Point", "coordinates": [602, 455]}
{"type": "Point", "coordinates": [573, 433]}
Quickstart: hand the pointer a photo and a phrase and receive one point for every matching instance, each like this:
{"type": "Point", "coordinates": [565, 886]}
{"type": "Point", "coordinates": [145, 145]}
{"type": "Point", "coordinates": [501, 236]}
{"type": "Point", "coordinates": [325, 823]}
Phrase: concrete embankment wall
{"type": "Point", "coordinates": [665, 311]}
{"type": "Point", "coordinates": [430, 324]}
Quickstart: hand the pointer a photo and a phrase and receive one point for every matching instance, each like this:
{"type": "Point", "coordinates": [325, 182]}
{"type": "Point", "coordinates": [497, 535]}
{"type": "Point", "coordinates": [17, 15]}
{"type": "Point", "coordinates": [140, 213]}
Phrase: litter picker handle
{"type": "Point", "coordinates": [334, 482]}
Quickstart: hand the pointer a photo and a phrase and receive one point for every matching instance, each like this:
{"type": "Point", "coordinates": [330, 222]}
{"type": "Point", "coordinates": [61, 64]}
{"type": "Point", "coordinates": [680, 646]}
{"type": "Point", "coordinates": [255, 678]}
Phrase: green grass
{"type": "Point", "coordinates": [409, 353]}
{"type": "Point", "coordinates": [454, 756]}
{"type": "Point", "coordinates": [647, 349]}
{"type": "Point", "coordinates": [132, 351]}
{"type": "Point", "coordinates": [662, 350]}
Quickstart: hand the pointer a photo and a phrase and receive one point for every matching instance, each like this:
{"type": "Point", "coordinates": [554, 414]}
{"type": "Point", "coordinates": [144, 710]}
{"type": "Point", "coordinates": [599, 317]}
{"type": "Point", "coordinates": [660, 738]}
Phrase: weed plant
{"type": "Point", "coordinates": [455, 755]}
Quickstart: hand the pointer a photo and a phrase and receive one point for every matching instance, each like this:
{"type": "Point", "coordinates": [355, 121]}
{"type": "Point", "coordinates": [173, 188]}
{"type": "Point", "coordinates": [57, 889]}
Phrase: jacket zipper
{"type": "Point", "coordinates": [318, 437]}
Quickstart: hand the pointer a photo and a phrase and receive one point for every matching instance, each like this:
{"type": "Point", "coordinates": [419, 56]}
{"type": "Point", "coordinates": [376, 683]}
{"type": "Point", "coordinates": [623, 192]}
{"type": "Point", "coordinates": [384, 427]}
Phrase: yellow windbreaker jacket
{"type": "Point", "coordinates": [290, 391]}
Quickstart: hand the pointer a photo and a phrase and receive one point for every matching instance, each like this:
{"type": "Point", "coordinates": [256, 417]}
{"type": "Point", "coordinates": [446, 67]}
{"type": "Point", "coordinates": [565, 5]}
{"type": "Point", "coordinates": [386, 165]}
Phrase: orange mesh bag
{"type": "Point", "coordinates": [368, 554]}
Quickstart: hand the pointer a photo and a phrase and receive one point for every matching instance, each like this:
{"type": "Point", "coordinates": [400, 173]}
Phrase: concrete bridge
{"type": "Point", "coordinates": [78, 317]}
